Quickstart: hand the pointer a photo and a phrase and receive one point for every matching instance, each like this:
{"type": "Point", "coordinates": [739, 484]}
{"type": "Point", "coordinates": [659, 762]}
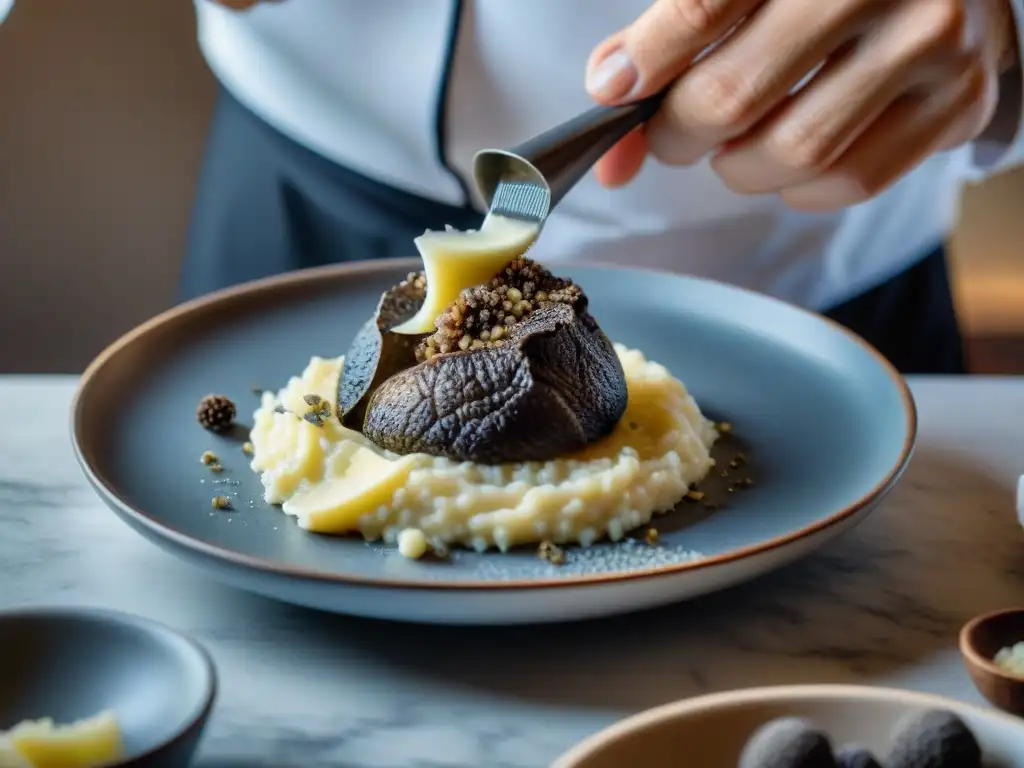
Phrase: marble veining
{"type": "Point", "coordinates": [881, 605]}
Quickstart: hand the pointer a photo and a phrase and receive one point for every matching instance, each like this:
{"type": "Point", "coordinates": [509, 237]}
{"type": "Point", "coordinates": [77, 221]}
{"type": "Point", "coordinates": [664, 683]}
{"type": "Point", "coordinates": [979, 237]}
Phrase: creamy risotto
{"type": "Point", "coordinates": [335, 481]}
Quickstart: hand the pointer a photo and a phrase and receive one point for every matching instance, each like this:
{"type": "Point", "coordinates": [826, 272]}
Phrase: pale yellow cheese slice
{"type": "Point", "coordinates": [88, 743]}
{"type": "Point", "coordinates": [9, 757]}
{"type": "Point", "coordinates": [335, 505]}
{"type": "Point", "coordinates": [454, 260]}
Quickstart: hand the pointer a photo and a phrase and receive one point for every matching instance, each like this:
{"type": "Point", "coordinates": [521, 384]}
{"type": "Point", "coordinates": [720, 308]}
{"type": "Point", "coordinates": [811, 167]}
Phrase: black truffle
{"type": "Point", "coordinates": [933, 738]}
{"type": "Point", "coordinates": [554, 385]}
{"type": "Point", "coordinates": [788, 742]}
{"type": "Point", "coordinates": [376, 352]}
{"type": "Point", "coordinates": [855, 756]}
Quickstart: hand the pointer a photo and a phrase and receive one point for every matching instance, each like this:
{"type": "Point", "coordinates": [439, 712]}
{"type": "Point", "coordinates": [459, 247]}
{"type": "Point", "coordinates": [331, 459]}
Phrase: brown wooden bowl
{"type": "Point", "coordinates": [980, 640]}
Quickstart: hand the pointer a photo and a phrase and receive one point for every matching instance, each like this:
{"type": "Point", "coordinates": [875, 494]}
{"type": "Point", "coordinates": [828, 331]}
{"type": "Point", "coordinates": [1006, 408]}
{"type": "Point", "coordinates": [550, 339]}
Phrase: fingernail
{"type": "Point", "coordinates": [615, 77]}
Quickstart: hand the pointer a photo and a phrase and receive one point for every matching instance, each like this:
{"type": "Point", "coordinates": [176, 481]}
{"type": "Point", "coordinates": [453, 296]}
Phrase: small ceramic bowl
{"type": "Point", "coordinates": [73, 663]}
{"type": "Point", "coordinates": [980, 640]}
{"type": "Point", "coordinates": [710, 731]}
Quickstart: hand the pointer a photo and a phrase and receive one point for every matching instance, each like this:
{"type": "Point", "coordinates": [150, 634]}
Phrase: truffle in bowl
{"type": "Point", "coordinates": [87, 687]}
{"type": "Point", "coordinates": [823, 725]}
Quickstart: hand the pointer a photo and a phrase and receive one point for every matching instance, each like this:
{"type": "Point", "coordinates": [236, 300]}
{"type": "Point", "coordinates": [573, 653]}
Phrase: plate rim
{"type": "Point", "coordinates": [248, 289]}
{"type": "Point", "coordinates": [590, 745]}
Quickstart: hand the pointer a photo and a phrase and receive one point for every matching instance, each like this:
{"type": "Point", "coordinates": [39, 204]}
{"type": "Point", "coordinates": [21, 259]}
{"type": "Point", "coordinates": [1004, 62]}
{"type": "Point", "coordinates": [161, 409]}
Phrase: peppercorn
{"type": "Point", "coordinates": [216, 413]}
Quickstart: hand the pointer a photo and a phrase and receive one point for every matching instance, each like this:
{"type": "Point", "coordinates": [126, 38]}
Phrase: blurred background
{"type": "Point", "coordinates": [102, 118]}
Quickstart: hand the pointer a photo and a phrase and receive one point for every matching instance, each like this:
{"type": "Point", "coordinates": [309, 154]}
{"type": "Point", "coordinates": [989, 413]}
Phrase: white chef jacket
{"type": "Point", "coordinates": [406, 91]}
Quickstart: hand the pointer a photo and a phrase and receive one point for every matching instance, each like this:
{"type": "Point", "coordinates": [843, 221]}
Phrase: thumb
{"type": "Point", "coordinates": [654, 50]}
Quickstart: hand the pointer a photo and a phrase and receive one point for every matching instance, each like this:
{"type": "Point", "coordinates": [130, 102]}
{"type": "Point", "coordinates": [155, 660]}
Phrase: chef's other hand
{"type": "Point", "coordinates": [890, 82]}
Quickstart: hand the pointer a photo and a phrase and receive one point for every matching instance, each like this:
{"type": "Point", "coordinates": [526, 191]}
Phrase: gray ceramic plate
{"type": "Point", "coordinates": [827, 425]}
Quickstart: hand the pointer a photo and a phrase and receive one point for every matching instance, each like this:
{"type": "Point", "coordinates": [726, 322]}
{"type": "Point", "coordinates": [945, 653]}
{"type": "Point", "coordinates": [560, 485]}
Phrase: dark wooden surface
{"type": "Point", "coordinates": [995, 354]}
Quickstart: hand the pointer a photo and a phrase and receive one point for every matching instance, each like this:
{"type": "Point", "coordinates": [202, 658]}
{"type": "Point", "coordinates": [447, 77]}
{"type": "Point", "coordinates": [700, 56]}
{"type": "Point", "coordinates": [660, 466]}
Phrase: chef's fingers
{"type": "Point", "coordinates": [907, 51]}
{"type": "Point", "coordinates": [623, 161]}
{"type": "Point", "coordinates": [655, 49]}
{"type": "Point", "coordinates": [749, 75]}
{"type": "Point", "coordinates": [908, 131]}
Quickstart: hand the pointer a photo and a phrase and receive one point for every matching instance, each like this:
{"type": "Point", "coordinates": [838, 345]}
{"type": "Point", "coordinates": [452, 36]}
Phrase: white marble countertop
{"type": "Point", "coordinates": [881, 605]}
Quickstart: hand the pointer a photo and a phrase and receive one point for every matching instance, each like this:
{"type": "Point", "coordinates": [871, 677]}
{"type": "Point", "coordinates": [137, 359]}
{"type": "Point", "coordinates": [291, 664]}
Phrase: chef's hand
{"type": "Point", "coordinates": [898, 80]}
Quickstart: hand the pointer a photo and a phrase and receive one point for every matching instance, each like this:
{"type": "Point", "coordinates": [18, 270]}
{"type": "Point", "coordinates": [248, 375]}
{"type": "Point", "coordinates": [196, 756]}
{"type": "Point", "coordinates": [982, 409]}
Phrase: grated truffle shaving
{"type": "Point", "coordinates": [482, 315]}
{"type": "Point", "coordinates": [406, 297]}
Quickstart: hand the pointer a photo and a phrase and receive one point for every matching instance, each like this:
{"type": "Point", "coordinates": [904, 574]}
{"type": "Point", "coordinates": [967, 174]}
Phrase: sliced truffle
{"type": "Point", "coordinates": [377, 353]}
{"type": "Point", "coordinates": [787, 742]}
{"type": "Point", "coordinates": [552, 385]}
{"type": "Point", "coordinates": [933, 738]}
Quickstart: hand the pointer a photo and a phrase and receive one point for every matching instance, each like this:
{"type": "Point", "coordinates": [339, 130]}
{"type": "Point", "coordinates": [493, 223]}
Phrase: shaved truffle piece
{"type": "Point", "coordinates": [788, 742]}
{"type": "Point", "coordinates": [933, 738]}
{"type": "Point", "coordinates": [552, 387]}
{"type": "Point", "coordinates": [376, 352]}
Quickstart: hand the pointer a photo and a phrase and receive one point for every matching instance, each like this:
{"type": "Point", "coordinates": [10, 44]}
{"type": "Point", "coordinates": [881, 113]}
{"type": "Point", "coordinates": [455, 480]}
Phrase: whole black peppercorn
{"type": "Point", "coordinates": [788, 742]}
{"type": "Point", "coordinates": [933, 738]}
{"type": "Point", "coordinates": [216, 413]}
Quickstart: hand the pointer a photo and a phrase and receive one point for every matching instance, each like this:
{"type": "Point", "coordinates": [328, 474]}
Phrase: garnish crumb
{"type": "Point", "coordinates": [551, 552]}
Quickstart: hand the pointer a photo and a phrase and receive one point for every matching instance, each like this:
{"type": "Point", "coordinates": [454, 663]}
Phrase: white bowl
{"type": "Point", "coordinates": [710, 731]}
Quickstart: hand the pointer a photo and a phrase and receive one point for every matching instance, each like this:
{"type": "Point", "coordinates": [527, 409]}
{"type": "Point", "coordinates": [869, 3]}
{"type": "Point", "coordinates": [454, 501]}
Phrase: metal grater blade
{"type": "Point", "coordinates": [523, 200]}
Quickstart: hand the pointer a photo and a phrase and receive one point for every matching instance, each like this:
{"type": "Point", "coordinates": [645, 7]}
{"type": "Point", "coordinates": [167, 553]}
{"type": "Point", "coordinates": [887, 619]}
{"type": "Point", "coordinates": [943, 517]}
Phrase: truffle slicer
{"type": "Point", "coordinates": [529, 180]}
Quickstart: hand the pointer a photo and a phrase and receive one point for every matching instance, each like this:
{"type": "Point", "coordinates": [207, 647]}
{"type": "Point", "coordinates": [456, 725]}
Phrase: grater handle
{"type": "Point", "coordinates": [564, 154]}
